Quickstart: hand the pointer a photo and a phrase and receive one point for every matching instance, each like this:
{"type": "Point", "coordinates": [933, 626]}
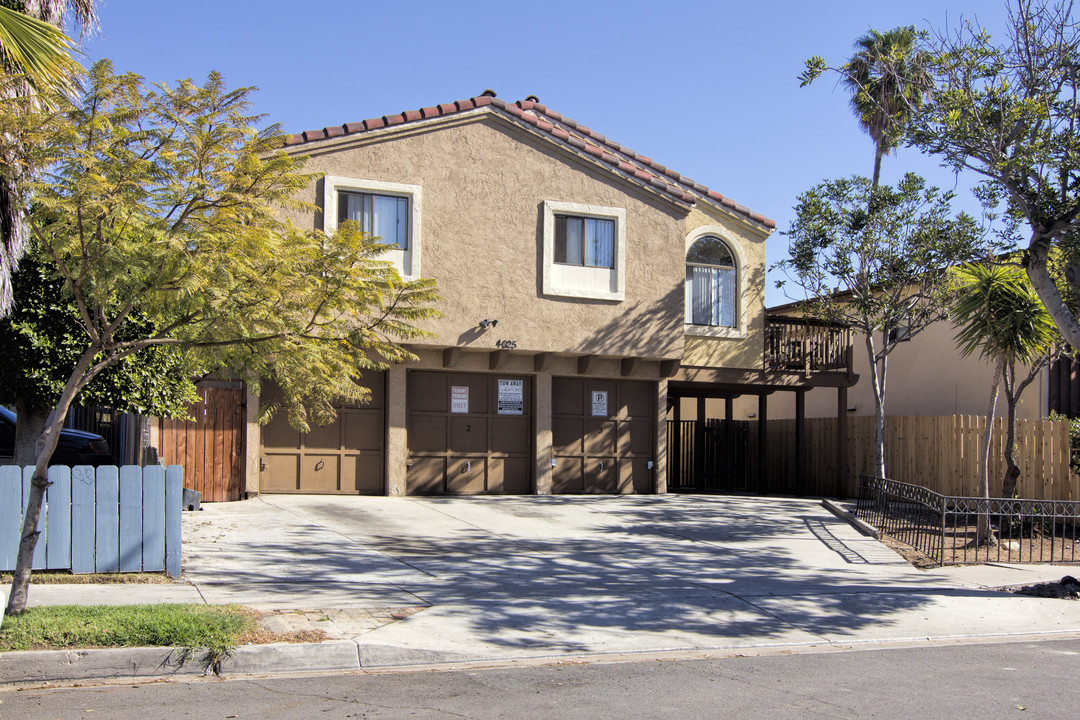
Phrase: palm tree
{"type": "Point", "coordinates": [887, 77]}
{"type": "Point", "coordinates": [32, 46]}
{"type": "Point", "coordinates": [998, 314]}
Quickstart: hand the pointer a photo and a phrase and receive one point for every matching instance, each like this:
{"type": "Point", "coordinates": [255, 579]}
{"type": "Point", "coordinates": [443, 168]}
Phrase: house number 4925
{"type": "Point", "coordinates": [506, 344]}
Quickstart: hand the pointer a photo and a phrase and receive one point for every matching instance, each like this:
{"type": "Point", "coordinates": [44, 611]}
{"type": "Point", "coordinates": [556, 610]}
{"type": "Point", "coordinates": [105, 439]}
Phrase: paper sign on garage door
{"type": "Point", "coordinates": [511, 397]}
{"type": "Point", "coordinates": [459, 398]}
{"type": "Point", "coordinates": [599, 403]}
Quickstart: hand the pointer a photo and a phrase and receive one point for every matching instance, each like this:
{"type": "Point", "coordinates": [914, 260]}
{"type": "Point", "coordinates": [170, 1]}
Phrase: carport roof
{"type": "Point", "coordinates": [622, 160]}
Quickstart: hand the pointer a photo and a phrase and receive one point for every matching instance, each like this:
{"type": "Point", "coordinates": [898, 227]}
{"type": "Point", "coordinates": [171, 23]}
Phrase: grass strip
{"type": "Point", "coordinates": [216, 627]}
{"type": "Point", "coordinates": [64, 577]}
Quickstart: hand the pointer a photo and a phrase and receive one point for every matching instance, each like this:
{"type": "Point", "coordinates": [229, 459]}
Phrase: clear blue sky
{"type": "Point", "coordinates": [706, 88]}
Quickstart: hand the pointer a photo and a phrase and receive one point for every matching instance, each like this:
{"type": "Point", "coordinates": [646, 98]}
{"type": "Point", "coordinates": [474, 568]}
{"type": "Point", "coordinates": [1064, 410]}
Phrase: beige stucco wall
{"type": "Point", "coordinates": [484, 181]}
{"type": "Point", "coordinates": [741, 349]}
{"type": "Point", "coordinates": [926, 376]}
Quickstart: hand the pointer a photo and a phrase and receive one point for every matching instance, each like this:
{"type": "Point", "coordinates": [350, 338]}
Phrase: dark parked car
{"type": "Point", "coordinates": [75, 448]}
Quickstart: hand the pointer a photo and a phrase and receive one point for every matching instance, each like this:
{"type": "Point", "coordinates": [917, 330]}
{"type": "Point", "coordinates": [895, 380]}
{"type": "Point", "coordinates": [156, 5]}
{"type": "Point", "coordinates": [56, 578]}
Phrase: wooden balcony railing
{"type": "Point", "coordinates": [795, 344]}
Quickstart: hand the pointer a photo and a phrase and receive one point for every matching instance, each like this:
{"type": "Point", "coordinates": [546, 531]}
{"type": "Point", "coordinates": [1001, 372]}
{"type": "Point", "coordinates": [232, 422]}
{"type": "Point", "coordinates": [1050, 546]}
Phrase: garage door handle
{"type": "Point", "coordinates": [319, 465]}
{"type": "Point", "coordinates": [468, 466]}
{"type": "Point", "coordinates": [601, 467]}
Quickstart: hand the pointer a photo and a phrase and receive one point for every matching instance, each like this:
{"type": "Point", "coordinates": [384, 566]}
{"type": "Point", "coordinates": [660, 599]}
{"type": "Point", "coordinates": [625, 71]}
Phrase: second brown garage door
{"type": "Point", "coordinates": [344, 457]}
{"type": "Point", "coordinates": [603, 435]}
{"type": "Point", "coordinates": [469, 434]}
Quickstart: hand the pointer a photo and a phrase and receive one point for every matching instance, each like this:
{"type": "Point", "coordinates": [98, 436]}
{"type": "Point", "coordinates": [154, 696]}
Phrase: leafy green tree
{"type": "Point", "coordinates": [35, 62]}
{"type": "Point", "coordinates": [169, 201]}
{"type": "Point", "coordinates": [1009, 110]}
{"type": "Point", "coordinates": [874, 259]}
{"type": "Point", "coordinates": [998, 314]}
{"type": "Point", "coordinates": [41, 341]}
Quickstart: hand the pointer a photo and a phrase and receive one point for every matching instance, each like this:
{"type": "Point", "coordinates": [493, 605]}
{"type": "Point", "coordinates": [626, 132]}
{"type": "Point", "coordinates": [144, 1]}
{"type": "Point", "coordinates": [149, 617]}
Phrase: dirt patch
{"type": "Point", "coordinates": [53, 577]}
{"type": "Point", "coordinates": [1068, 588]}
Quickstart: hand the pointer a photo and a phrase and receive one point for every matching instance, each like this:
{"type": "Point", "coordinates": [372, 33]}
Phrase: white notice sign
{"type": "Point", "coordinates": [459, 398]}
{"type": "Point", "coordinates": [599, 403]}
{"type": "Point", "coordinates": [511, 397]}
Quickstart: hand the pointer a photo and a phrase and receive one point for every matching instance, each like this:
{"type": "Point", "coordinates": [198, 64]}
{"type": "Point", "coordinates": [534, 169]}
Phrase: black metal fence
{"type": "Point", "coordinates": [947, 529]}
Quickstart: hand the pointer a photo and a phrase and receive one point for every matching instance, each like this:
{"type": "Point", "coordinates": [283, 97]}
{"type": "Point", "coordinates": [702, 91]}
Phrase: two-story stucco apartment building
{"type": "Point", "coordinates": [587, 289]}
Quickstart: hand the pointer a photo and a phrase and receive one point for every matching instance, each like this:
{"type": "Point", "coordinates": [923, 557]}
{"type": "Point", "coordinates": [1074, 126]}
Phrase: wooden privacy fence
{"type": "Point", "coordinates": [940, 453]}
{"type": "Point", "coordinates": [107, 519]}
{"type": "Point", "coordinates": [211, 447]}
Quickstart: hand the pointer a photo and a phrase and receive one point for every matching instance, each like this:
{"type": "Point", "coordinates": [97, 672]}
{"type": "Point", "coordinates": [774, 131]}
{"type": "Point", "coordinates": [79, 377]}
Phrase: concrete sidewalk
{"type": "Point", "coordinates": [419, 581]}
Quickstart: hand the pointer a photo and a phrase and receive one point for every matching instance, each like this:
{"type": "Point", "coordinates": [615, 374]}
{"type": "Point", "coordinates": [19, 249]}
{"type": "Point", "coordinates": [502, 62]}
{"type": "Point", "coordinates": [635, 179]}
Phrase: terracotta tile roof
{"type": "Point", "coordinates": [623, 160]}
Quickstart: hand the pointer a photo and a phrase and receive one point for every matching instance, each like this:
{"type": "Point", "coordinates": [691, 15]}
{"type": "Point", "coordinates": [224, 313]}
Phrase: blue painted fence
{"type": "Point", "coordinates": [106, 519]}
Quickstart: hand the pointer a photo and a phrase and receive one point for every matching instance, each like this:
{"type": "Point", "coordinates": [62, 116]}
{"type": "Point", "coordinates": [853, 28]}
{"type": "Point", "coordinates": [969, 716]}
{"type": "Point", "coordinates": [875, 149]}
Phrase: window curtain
{"type": "Point", "coordinates": [599, 242]}
{"type": "Point", "coordinates": [575, 241]}
{"type": "Point", "coordinates": [381, 216]}
{"type": "Point", "coordinates": [711, 297]}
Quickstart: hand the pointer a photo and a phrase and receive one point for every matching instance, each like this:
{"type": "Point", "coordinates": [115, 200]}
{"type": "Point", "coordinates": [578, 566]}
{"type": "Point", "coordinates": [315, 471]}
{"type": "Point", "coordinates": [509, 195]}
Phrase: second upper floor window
{"type": "Point", "coordinates": [383, 216]}
{"type": "Point", "coordinates": [584, 241]}
{"type": "Point", "coordinates": [711, 288]}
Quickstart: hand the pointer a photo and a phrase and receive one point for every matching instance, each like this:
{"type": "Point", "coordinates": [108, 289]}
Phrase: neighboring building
{"type": "Point", "coordinates": [926, 375]}
{"type": "Point", "coordinates": [587, 289]}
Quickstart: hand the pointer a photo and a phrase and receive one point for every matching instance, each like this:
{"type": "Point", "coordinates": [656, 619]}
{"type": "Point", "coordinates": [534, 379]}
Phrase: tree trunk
{"type": "Point", "coordinates": [877, 384]}
{"type": "Point", "coordinates": [46, 444]}
{"type": "Point", "coordinates": [983, 535]}
{"type": "Point", "coordinates": [1039, 274]}
{"type": "Point", "coordinates": [30, 423]}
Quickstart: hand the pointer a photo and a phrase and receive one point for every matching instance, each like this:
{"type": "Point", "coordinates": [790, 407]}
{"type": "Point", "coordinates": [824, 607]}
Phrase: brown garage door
{"type": "Point", "coordinates": [344, 457]}
{"type": "Point", "coordinates": [603, 434]}
{"type": "Point", "coordinates": [469, 434]}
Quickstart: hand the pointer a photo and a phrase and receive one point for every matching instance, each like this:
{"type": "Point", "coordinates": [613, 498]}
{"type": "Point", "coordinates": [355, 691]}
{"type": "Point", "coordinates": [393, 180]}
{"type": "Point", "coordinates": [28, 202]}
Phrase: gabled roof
{"type": "Point", "coordinates": [639, 168]}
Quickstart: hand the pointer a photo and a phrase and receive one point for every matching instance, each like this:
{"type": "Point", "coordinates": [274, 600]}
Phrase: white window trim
{"type": "Point", "coordinates": [739, 331]}
{"type": "Point", "coordinates": [410, 258]}
{"type": "Point", "coordinates": [616, 275]}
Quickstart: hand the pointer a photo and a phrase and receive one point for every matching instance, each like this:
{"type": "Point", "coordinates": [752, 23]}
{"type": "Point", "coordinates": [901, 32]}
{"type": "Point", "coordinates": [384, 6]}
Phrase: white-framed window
{"type": "Point", "coordinates": [713, 285]}
{"type": "Point", "coordinates": [584, 251]}
{"type": "Point", "coordinates": [389, 211]}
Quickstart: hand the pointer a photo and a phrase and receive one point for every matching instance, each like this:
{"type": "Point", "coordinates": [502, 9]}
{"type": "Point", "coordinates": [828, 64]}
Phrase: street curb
{"type": "Point", "coordinates": [42, 666]}
{"type": "Point", "coordinates": [851, 519]}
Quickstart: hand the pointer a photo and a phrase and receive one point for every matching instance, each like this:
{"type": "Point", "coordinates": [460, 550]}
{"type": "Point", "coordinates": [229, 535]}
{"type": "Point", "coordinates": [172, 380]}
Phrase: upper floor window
{"type": "Point", "coordinates": [386, 210]}
{"type": "Point", "coordinates": [383, 216]}
{"type": "Point", "coordinates": [711, 284]}
{"type": "Point", "coordinates": [584, 251]}
{"type": "Point", "coordinates": [585, 241]}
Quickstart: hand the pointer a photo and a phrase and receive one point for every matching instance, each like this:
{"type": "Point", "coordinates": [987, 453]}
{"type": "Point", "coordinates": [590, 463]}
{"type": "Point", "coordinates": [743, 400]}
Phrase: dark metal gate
{"type": "Point", "coordinates": [708, 456]}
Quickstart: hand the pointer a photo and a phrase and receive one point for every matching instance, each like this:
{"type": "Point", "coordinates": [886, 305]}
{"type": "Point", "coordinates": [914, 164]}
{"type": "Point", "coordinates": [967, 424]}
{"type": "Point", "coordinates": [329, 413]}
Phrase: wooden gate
{"type": "Point", "coordinates": [708, 456]}
{"type": "Point", "coordinates": [211, 449]}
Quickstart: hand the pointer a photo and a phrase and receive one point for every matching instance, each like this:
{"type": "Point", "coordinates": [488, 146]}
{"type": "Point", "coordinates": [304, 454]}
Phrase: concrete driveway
{"type": "Point", "coordinates": [484, 578]}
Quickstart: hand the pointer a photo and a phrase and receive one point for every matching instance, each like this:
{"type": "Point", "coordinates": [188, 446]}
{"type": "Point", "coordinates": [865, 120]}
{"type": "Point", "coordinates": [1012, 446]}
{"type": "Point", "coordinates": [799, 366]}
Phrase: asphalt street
{"type": "Point", "coordinates": [987, 681]}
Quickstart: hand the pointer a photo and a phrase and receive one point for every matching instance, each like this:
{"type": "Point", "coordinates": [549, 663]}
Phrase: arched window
{"type": "Point", "coordinates": [711, 292]}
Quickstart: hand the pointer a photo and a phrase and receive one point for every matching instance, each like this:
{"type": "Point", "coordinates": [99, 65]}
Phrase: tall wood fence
{"type": "Point", "coordinates": [940, 453]}
{"type": "Point", "coordinates": [107, 519]}
{"type": "Point", "coordinates": [211, 447]}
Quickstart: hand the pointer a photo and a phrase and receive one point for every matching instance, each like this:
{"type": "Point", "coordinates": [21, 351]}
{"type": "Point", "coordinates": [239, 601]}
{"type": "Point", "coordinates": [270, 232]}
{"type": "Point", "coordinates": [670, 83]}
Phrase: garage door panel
{"type": "Point", "coordinates": [468, 434]}
{"type": "Point", "coordinates": [568, 396]}
{"type": "Point", "coordinates": [324, 437]}
{"type": "Point", "coordinates": [362, 474]}
{"type": "Point", "coordinates": [568, 475]}
{"type": "Point", "coordinates": [279, 434]}
{"type": "Point", "coordinates": [509, 476]}
{"type": "Point", "coordinates": [320, 473]}
{"type": "Point", "coordinates": [601, 475]}
{"type": "Point", "coordinates": [635, 399]}
{"type": "Point", "coordinates": [426, 476]}
{"type": "Point", "coordinates": [510, 435]}
{"type": "Point", "coordinates": [600, 437]}
{"type": "Point", "coordinates": [466, 476]}
{"type": "Point", "coordinates": [635, 476]}
{"type": "Point", "coordinates": [428, 392]}
{"type": "Point", "coordinates": [363, 430]}
{"type": "Point", "coordinates": [281, 473]}
{"type": "Point", "coordinates": [637, 437]}
{"type": "Point", "coordinates": [375, 382]}
{"type": "Point", "coordinates": [567, 435]}
{"type": "Point", "coordinates": [427, 433]}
